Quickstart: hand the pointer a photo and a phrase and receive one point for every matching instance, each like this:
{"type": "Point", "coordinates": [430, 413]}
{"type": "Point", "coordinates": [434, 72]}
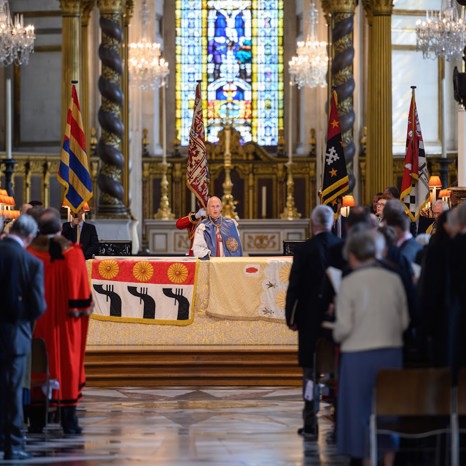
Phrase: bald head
{"type": "Point", "coordinates": [214, 207]}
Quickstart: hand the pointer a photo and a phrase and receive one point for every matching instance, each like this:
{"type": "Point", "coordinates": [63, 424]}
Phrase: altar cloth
{"type": "Point", "coordinates": [148, 291]}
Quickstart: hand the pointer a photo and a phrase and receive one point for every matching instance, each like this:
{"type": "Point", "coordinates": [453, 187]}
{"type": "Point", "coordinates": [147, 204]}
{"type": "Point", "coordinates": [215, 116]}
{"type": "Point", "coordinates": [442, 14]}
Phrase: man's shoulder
{"type": "Point", "coordinates": [89, 226]}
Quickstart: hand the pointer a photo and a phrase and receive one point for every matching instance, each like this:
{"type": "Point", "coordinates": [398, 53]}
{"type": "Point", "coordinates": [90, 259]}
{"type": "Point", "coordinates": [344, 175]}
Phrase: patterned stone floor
{"type": "Point", "coordinates": [218, 426]}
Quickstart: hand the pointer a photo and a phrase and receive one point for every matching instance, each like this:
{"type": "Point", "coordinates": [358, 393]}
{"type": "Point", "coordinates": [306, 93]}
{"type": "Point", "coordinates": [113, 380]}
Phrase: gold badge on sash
{"type": "Point", "coordinates": [231, 244]}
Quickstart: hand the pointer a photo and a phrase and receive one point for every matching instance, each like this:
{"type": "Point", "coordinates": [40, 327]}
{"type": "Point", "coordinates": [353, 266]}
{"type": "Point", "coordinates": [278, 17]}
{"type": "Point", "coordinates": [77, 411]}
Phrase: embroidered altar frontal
{"type": "Point", "coordinates": [143, 291]}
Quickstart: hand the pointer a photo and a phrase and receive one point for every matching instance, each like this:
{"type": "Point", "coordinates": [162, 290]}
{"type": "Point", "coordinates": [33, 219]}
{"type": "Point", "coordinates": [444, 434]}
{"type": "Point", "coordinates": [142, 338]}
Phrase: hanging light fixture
{"type": "Point", "coordinates": [442, 33]}
{"type": "Point", "coordinates": [309, 67]}
{"type": "Point", "coordinates": [147, 68]}
{"type": "Point", "coordinates": [16, 40]}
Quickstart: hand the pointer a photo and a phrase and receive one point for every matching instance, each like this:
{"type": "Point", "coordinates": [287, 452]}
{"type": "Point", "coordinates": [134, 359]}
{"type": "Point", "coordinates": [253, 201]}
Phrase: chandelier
{"type": "Point", "coordinates": [16, 40]}
{"type": "Point", "coordinates": [442, 33]}
{"type": "Point", "coordinates": [146, 67]}
{"type": "Point", "coordinates": [309, 67]}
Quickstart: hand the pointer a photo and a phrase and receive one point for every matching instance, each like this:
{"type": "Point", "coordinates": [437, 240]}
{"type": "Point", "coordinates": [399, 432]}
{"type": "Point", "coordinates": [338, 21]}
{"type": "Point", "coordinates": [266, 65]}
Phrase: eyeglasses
{"type": "Point", "coordinates": [382, 204]}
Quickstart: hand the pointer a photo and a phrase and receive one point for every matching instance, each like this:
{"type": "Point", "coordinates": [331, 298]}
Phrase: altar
{"type": "Point", "coordinates": [231, 323]}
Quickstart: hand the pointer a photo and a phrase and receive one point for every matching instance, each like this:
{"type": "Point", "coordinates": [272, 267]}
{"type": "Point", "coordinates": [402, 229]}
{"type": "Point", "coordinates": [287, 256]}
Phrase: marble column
{"type": "Point", "coordinates": [379, 168]}
{"type": "Point", "coordinates": [340, 15]}
{"type": "Point", "coordinates": [71, 56]}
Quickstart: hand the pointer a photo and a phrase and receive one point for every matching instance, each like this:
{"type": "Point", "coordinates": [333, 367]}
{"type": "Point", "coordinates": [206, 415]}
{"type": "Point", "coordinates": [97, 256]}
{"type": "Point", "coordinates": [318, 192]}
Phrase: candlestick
{"type": "Point", "coordinates": [264, 201]}
{"type": "Point", "coordinates": [290, 124]}
{"type": "Point", "coordinates": [8, 119]}
{"type": "Point", "coordinates": [164, 126]}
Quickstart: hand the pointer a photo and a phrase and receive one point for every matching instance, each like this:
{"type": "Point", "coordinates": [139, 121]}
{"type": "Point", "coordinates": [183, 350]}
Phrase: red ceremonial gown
{"type": "Point", "coordinates": [65, 323]}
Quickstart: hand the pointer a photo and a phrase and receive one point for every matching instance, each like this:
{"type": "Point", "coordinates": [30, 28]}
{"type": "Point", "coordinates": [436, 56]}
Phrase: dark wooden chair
{"type": "Point", "coordinates": [459, 417]}
{"type": "Point", "coordinates": [115, 248]}
{"type": "Point", "coordinates": [290, 246]}
{"type": "Point", "coordinates": [412, 403]}
{"type": "Point", "coordinates": [40, 375]}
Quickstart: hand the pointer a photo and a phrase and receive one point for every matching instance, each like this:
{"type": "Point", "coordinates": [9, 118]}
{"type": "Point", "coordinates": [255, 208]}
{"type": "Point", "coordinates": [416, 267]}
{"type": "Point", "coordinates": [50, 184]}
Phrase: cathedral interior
{"type": "Point", "coordinates": [266, 121]}
{"type": "Point", "coordinates": [137, 135]}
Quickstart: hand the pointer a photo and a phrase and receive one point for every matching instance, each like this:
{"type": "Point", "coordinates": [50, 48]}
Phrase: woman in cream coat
{"type": "Point", "coordinates": [371, 315]}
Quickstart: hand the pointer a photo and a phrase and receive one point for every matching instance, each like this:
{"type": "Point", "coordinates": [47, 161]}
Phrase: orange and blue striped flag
{"type": "Point", "coordinates": [73, 172]}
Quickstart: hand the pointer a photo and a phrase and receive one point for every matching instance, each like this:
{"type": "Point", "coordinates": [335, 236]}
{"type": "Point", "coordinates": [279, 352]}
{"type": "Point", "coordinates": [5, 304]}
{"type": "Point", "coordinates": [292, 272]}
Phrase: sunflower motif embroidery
{"type": "Point", "coordinates": [284, 273]}
{"type": "Point", "coordinates": [109, 269]}
{"type": "Point", "coordinates": [143, 271]}
{"type": "Point", "coordinates": [280, 299]}
{"type": "Point", "coordinates": [177, 273]}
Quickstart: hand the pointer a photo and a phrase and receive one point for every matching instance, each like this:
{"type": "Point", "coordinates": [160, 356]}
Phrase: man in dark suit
{"type": "Point", "coordinates": [79, 231]}
{"type": "Point", "coordinates": [22, 284]}
{"type": "Point", "coordinates": [304, 308]}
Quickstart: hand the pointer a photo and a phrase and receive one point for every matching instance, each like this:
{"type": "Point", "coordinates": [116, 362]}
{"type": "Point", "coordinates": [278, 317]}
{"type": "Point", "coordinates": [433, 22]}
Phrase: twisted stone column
{"type": "Point", "coordinates": [109, 146]}
{"type": "Point", "coordinates": [129, 9]}
{"type": "Point", "coordinates": [340, 13]}
{"type": "Point", "coordinates": [379, 160]}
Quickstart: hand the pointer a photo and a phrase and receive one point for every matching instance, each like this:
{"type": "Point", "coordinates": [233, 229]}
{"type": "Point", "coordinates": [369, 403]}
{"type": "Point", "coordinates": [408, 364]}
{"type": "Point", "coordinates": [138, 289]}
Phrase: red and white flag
{"type": "Point", "coordinates": [415, 192]}
{"type": "Point", "coordinates": [197, 171]}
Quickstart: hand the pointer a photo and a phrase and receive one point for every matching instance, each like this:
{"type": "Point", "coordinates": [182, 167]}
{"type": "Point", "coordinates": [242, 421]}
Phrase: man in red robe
{"type": "Point", "coordinates": [65, 323]}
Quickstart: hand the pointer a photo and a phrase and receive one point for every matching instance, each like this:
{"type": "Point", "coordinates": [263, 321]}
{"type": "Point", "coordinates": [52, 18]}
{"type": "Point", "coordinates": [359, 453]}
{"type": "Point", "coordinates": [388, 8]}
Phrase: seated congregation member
{"type": "Point", "coordinates": [217, 236]}
{"type": "Point", "coordinates": [371, 316]}
{"type": "Point", "coordinates": [304, 309]}
{"type": "Point", "coordinates": [81, 232]}
{"type": "Point", "coordinates": [189, 223]}
{"type": "Point", "coordinates": [65, 323]}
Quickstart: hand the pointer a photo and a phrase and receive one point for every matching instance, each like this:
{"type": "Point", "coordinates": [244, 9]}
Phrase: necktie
{"type": "Point", "coordinates": [217, 241]}
{"type": "Point", "coordinates": [78, 233]}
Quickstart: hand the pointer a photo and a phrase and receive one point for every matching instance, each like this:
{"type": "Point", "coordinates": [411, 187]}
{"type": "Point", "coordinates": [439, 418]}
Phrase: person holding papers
{"type": "Point", "coordinates": [304, 310]}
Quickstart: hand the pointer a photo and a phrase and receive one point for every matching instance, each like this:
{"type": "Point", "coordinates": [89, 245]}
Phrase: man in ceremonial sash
{"type": "Point", "coordinates": [217, 236]}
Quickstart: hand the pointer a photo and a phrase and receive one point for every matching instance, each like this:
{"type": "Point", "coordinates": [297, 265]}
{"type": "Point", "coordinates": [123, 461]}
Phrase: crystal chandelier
{"type": "Point", "coordinates": [442, 33]}
{"type": "Point", "coordinates": [146, 68]}
{"type": "Point", "coordinates": [309, 67]}
{"type": "Point", "coordinates": [16, 40]}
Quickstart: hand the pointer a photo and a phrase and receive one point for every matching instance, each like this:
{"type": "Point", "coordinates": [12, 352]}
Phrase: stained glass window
{"type": "Point", "coordinates": [235, 47]}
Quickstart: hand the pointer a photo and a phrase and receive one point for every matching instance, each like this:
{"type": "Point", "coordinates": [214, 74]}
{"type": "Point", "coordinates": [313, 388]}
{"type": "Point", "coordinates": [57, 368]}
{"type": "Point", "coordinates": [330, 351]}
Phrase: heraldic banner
{"type": "Point", "coordinates": [143, 291]}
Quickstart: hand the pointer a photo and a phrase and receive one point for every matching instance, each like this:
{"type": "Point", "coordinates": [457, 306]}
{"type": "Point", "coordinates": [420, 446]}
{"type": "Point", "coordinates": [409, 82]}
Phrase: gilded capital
{"type": "Point", "coordinates": [129, 10]}
{"type": "Point", "coordinates": [111, 6]}
{"type": "Point", "coordinates": [70, 7]}
{"type": "Point", "coordinates": [339, 6]}
{"type": "Point", "coordinates": [378, 7]}
{"type": "Point", "coordinates": [87, 6]}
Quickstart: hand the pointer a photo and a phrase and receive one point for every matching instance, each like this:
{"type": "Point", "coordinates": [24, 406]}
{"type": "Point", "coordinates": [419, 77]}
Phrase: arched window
{"type": "Point", "coordinates": [235, 47]}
